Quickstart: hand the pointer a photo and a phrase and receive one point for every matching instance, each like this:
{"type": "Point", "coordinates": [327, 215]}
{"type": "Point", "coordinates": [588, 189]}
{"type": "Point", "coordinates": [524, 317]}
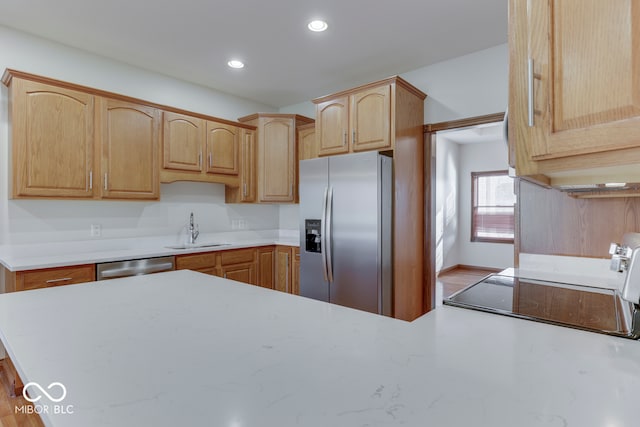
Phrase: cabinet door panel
{"type": "Point", "coordinates": [371, 118]}
{"type": "Point", "coordinates": [587, 64]}
{"type": "Point", "coordinates": [265, 267]}
{"type": "Point", "coordinates": [183, 139]}
{"type": "Point", "coordinates": [278, 160]}
{"type": "Point", "coordinates": [333, 126]}
{"type": "Point", "coordinates": [283, 269]}
{"type": "Point", "coordinates": [202, 261]}
{"type": "Point", "coordinates": [53, 142]}
{"type": "Point", "coordinates": [130, 150]}
{"type": "Point", "coordinates": [307, 144]}
{"type": "Point", "coordinates": [222, 148]}
{"type": "Point", "coordinates": [245, 273]}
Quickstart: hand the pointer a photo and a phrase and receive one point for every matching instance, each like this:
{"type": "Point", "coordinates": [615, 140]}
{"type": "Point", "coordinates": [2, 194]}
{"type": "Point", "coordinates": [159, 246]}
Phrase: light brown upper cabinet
{"type": "Point", "coordinates": [307, 142]}
{"type": "Point", "coordinates": [277, 155]}
{"type": "Point", "coordinates": [52, 139]}
{"type": "Point", "coordinates": [574, 100]}
{"type": "Point", "coordinates": [222, 148]}
{"type": "Point", "coordinates": [365, 118]}
{"type": "Point", "coordinates": [246, 191]}
{"type": "Point", "coordinates": [196, 149]}
{"type": "Point", "coordinates": [130, 137]}
{"type": "Point", "coordinates": [183, 142]}
{"type": "Point", "coordinates": [70, 141]}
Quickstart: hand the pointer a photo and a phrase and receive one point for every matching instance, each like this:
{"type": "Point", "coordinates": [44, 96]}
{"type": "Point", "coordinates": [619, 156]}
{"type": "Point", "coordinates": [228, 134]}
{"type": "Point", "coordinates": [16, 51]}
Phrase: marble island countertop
{"type": "Point", "coordinates": [184, 348]}
{"type": "Point", "coordinates": [32, 256]}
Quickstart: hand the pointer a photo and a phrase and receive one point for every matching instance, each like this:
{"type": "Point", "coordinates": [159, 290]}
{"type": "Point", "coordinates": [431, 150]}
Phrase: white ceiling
{"type": "Point", "coordinates": [286, 64]}
{"type": "Point", "coordinates": [489, 132]}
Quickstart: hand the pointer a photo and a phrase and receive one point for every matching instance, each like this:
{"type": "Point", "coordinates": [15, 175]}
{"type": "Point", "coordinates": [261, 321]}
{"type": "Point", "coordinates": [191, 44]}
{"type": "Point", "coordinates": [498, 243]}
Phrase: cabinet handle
{"type": "Point", "coordinates": [105, 181]}
{"type": "Point", "coordinates": [225, 275]}
{"type": "Point", "coordinates": [530, 93]}
{"type": "Point", "coordinates": [210, 159]}
{"type": "Point", "coordinates": [244, 189]}
{"type": "Point", "coordinates": [344, 140]}
{"type": "Point", "coordinates": [354, 136]}
{"type": "Point", "coordinates": [200, 160]}
{"type": "Point", "coordinates": [64, 279]}
{"type": "Point", "coordinates": [90, 180]}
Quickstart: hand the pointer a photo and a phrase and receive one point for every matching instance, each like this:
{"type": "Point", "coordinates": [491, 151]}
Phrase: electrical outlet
{"type": "Point", "coordinates": [96, 230]}
{"type": "Point", "coordinates": [242, 224]}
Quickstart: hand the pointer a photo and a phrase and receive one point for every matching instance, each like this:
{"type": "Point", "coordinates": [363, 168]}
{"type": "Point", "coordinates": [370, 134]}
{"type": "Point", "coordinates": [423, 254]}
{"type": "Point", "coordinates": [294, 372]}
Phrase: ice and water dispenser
{"type": "Point", "coordinates": [313, 235]}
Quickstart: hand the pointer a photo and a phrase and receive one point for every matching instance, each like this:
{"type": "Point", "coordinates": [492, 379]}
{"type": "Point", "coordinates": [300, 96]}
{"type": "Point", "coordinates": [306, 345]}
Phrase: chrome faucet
{"type": "Point", "coordinates": [193, 230]}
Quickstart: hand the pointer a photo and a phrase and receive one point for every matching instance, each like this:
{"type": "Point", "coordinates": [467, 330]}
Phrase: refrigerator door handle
{"type": "Point", "coordinates": [327, 233]}
{"type": "Point", "coordinates": [323, 235]}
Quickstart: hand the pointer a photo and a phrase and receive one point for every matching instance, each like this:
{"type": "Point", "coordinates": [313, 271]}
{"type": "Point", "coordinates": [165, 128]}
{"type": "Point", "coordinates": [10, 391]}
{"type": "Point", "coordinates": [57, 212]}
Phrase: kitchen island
{"type": "Point", "coordinates": [184, 348]}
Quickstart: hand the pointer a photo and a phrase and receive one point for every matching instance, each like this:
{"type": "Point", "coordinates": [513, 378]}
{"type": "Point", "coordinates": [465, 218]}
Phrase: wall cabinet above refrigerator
{"type": "Point", "coordinates": [574, 103]}
{"type": "Point", "coordinates": [366, 118]}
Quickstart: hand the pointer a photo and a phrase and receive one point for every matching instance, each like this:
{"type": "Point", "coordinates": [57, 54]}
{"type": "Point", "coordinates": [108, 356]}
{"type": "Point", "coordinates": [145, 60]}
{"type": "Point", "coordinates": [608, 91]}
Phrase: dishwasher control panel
{"type": "Point", "coordinates": [134, 267]}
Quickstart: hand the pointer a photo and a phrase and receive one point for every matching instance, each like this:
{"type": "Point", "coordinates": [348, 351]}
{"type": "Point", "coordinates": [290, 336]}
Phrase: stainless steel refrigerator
{"type": "Point", "coordinates": [346, 209]}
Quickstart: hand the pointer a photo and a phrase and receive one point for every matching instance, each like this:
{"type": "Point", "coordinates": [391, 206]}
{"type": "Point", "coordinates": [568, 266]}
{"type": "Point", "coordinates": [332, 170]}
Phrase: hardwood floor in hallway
{"type": "Point", "coordinates": [451, 281]}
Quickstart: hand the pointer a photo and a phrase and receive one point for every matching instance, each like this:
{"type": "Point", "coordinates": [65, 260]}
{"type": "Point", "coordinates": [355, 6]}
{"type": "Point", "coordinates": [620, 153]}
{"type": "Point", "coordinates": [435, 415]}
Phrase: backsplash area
{"type": "Point", "coordinates": [32, 221]}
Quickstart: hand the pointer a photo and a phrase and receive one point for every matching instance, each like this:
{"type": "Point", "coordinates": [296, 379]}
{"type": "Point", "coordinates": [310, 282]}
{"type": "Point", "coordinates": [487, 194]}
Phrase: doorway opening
{"type": "Point", "coordinates": [471, 203]}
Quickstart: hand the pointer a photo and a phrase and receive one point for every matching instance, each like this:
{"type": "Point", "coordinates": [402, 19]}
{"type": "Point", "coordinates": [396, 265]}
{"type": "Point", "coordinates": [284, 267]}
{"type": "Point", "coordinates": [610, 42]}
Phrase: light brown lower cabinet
{"type": "Point", "coordinates": [288, 269]}
{"type": "Point", "coordinates": [235, 264]}
{"type": "Point", "coordinates": [239, 264]}
{"type": "Point", "coordinates": [272, 267]}
{"type": "Point", "coordinates": [48, 277]}
{"type": "Point", "coordinates": [266, 266]}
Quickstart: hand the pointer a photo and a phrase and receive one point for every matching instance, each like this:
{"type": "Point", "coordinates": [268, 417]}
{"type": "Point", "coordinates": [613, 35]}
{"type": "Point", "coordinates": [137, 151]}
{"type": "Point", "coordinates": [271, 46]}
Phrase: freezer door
{"type": "Point", "coordinates": [354, 181]}
{"type": "Point", "coordinates": [314, 183]}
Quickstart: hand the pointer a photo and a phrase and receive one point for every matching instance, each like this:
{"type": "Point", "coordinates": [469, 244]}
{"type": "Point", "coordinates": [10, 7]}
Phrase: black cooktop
{"type": "Point", "coordinates": [582, 307]}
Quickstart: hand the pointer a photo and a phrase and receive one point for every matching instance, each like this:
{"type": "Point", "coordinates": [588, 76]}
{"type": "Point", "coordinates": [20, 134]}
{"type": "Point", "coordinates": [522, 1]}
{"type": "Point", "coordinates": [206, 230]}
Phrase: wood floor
{"type": "Point", "coordinates": [460, 277]}
{"type": "Point", "coordinates": [8, 415]}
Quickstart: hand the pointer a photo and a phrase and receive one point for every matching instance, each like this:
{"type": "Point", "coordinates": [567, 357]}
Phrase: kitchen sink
{"type": "Point", "coordinates": [196, 245]}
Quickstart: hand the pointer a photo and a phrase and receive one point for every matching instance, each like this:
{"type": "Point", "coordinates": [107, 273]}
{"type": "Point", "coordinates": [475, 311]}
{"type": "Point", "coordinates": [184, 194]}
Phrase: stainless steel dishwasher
{"type": "Point", "coordinates": [134, 267]}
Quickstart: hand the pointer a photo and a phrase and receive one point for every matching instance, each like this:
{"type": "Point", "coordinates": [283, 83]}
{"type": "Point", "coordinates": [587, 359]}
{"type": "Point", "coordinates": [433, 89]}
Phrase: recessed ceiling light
{"type": "Point", "coordinates": [317, 25]}
{"type": "Point", "coordinates": [234, 63]}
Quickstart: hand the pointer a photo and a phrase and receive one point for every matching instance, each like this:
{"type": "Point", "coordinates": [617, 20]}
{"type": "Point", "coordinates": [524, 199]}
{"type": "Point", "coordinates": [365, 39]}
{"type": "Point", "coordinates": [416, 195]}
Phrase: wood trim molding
{"type": "Point", "coordinates": [306, 126]}
{"type": "Point", "coordinates": [470, 121]}
{"type": "Point", "coordinates": [394, 79]}
{"type": "Point", "coordinates": [300, 120]}
{"type": "Point", "coordinates": [10, 73]}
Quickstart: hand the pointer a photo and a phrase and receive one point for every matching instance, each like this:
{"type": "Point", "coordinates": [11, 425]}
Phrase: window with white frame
{"type": "Point", "coordinates": [492, 207]}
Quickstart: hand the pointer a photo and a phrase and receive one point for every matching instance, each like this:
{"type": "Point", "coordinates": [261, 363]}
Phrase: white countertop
{"type": "Point", "coordinates": [33, 256]}
{"type": "Point", "coordinates": [183, 348]}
